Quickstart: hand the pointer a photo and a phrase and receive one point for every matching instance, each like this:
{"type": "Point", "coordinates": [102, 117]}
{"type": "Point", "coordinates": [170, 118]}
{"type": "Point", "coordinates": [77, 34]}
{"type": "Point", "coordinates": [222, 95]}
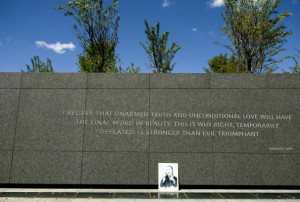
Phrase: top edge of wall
{"type": "Point", "coordinates": [146, 81]}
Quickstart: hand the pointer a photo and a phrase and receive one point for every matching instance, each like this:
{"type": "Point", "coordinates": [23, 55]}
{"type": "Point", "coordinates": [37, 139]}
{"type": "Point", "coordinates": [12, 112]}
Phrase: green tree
{"type": "Point", "coordinates": [97, 29]}
{"type": "Point", "coordinates": [294, 69]}
{"type": "Point", "coordinates": [39, 66]}
{"type": "Point", "coordinates": [256, 32]}
{"type": "Point", "coordinates": [85, 64]}
{"type": "Point", "coordinates": [130, 69]}
{"type": "Point", "coordinates": [222, 64]}
{"type": "Point", "coordinates": [160, 57]}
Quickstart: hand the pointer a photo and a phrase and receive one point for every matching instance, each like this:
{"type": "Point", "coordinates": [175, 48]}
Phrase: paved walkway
{"type": "Point", "coordinates": [64, 195]}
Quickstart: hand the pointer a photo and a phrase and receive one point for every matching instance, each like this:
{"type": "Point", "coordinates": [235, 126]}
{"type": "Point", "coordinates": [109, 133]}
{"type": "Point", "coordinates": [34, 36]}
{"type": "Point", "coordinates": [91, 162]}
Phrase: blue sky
{"type": "Point", "coordinates": [33, 27]}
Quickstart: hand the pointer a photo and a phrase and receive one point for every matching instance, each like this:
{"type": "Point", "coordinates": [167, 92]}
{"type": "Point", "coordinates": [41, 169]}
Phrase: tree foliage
{"type": "Point", "coordinates": [97, 29]}
{"type": "Point", "coordinates": [85, 64]}
{"type": "Point", "coordinates": [160, 58]}
{"type": "Point", "coordinates": [222, 64]}
{"type": "Point", "coordinates": [130, 69]}
{"type": "Point", "coordinates": [39, 66]}
{"type": "Point", "coordinates": [256, 32]}
{"type": "Point", "coordinates": [296, 58]}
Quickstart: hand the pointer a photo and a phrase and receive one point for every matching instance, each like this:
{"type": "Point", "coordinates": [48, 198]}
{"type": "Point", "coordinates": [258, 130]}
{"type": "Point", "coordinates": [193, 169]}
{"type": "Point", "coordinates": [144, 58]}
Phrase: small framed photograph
{"type": "Point", "coordinates": [168, 177]}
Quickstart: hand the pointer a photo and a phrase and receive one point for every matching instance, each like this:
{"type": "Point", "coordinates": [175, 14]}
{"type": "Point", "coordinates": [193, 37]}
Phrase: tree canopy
{"type": "Point", "coordinates": [256, 32]}
{"type": "Point", "coordinates": [39, 66]}
{"type": "Point", "coordinates": [97, 29]}
{"type": "Point", "coordinates": [222, 64]}
{"type": "Point", "coordinates": [160, 58]}
{"type": "Point", "coordinates": [296, 58]}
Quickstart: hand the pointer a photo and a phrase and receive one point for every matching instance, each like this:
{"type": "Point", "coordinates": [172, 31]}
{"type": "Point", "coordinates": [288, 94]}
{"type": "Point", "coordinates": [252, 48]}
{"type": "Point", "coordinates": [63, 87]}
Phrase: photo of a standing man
{"type": "Point", "coordinates": [168, 179]}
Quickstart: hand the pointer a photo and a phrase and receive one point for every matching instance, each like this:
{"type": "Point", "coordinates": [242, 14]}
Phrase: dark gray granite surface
{"type": "Point", "coordinates": [114, 129]}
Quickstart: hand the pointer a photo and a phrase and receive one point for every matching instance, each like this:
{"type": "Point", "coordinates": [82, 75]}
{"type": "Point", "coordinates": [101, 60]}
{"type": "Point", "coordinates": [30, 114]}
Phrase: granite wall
{"type": "Point", "coordinates": [114, 129]}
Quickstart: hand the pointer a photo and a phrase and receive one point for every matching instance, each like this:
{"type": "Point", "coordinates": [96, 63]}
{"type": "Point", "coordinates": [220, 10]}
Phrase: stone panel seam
{"type": "Point", "coordinates": [269, 107]}
{"type": "Point", "coordinates": [212, 138]}
{"type": "Point", "coordinates": [133, 88]}
{"type": "Point", "coordinates": [53, 88]}
{"type": "Point", "coordinates": [208, 88]}
{"type": "Point", "coordinates": [269, 110]}
{"type": "Point", "coordinates": [268, 81]}
{"type": "Point", "coordinates": [85, 101]}
{"type": "Point", "coordinates": [162, 152]}
{"type": "Point", "coordinates": [149, 139]}
{"type": "Point", "coordinates": [9, 88]}
{"type": "Point", "coordinates": [16, 126]}
{"type": "Point", "coordinates": [285, 88]}
{"type": "Point", "coordinates": [25, 150]}
{"type": "Point", "coordinates": [120, 152]}
{"type": "Point", "coordinates": [240, 153]}
{"type": "Point", "coordinates": [78, 88]}
{"type": "Point", "coordinates": [52, 151]}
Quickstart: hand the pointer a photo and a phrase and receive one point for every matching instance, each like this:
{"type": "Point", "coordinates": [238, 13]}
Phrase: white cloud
{"type": "Point", "coordinates": [57, 47]}
{"type": "Point", "coordinates": [216, 3]}
{"type": "Point", "coordinates": [220, 3]}
{"type": "Point", "coordinates": [8, 39]}
{"type": "Point", "coordinates": [194, 29]}
{"type": "Point", "coordinates": [211, 34]}
{"type": "Point", "coordinates": [166, 3]}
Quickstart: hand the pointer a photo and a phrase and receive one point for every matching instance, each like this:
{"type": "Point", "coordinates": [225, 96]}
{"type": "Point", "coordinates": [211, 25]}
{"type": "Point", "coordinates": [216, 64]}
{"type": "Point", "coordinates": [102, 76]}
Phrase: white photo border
{"type": "Point", "coordinates": [164, 171]}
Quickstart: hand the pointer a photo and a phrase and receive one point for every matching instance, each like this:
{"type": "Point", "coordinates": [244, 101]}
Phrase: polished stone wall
{"type": "Point", "coordinates": [114, 129]}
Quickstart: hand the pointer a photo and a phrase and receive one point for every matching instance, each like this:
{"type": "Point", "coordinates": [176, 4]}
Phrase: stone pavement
{"type": "Point", "coordinates": [113, 195]}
